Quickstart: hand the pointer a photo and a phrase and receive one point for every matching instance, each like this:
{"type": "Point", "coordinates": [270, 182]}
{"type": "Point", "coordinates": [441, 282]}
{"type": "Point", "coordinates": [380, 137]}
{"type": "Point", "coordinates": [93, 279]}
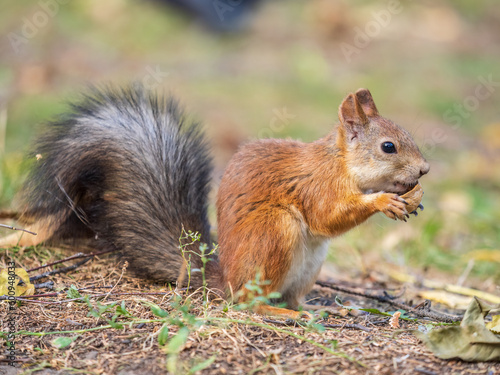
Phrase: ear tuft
{"type": "Point", "coordinates": [365, 99]}
{"type": "Point", "coordinates": [350, 112]}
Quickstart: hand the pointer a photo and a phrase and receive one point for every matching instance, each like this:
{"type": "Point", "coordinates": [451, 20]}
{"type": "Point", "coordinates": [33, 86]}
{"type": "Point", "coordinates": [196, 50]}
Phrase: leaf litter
{"type": "Point", "coordinates": [143, 327]}
{"type": "Point", "coordinates": [471, 341]}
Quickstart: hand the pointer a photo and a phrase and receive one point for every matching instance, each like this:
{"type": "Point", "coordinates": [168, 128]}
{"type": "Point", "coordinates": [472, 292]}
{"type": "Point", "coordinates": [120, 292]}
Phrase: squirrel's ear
{"type": "Point", "coordinates": [352, 116]}
{"type": "Point", "coordinates": [365, 99]}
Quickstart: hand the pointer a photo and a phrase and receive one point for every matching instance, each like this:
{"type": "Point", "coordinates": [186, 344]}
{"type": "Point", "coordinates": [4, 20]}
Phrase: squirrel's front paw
{"type": "Point", "coordinates": [392, 205]}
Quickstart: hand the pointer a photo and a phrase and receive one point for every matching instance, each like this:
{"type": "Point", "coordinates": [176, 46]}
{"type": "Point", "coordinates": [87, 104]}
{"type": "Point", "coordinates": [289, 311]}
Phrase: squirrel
{"type": "Point", "coordinates": [127, 170]}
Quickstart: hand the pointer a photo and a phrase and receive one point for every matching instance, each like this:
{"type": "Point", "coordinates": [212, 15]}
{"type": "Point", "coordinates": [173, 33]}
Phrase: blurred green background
{"type": "Point", "coordinates": [432, 66]}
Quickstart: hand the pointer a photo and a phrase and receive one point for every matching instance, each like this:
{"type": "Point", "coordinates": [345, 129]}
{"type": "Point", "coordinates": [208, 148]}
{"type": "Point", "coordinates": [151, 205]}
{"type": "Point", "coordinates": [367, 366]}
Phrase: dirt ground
{"type": "Point", "coordinates": [234, 342]}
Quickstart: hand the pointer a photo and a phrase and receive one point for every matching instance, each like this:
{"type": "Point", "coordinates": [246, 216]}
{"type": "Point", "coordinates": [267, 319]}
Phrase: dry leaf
{"type": "Point", "coordinates": [394, 321]}
{"type": "Point", "coordinates": [405, 278]}
{"type": "Point", "coordinates": [494, 325]}
{"type": "Point", "coordinates": [455, 301]}
{"type": "Point", "coordinates": [471, 341]}
{"type": "Point", "coordinates": [7, 285]}
{"type": "Point", "coordinates": [484, 255]}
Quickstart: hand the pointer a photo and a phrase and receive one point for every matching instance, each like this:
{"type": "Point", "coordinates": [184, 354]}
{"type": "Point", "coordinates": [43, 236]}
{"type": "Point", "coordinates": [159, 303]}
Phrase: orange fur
{"type": "Point", "coordinates": [279, 199]}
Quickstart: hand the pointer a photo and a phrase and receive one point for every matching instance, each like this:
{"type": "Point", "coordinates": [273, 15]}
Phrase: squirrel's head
{"type": "Point", "coordinates": [380, 155]}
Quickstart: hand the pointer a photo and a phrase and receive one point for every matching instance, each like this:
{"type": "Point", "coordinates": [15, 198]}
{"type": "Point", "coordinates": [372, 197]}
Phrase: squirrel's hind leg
{"type": "Point", "coordinates": [282, 312]}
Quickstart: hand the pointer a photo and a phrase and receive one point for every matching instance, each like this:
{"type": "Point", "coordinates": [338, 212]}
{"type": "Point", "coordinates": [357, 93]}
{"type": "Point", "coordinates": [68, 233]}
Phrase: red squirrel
{"type": "Point", "coordinates": [125, 169]}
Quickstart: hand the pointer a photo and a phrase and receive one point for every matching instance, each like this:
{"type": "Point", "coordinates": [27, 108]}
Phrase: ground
{"type": "Point", "coordinates": [232, 341]}
{"type": "Point", "coordinates": [432, 67]}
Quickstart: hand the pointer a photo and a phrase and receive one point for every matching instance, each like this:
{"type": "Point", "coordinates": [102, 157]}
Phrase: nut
{"type": "Point", "coordinates": [413, 197]}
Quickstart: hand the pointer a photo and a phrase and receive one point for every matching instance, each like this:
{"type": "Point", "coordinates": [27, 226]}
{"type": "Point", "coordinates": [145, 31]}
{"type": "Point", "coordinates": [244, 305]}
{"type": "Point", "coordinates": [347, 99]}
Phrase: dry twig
{"type": "Point", "coordinates": [326, 325]}
{"type": "Point", "coordinates": [59, 270]}
{"type": "Point", "coordinates": [72, 257]}
{"type": "Point", "coordinates": [438, 316]}
{"type": "Point", "coordinates": [14, 228]}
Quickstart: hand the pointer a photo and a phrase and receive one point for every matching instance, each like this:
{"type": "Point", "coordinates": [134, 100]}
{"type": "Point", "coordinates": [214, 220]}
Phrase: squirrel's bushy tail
{"type": "Point", "coordinates": [124, 166]}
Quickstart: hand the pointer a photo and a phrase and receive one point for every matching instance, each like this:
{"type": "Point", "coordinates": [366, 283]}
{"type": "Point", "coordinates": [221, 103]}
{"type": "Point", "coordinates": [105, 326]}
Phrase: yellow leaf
{"type": "Point", "coordinates": [494, 325]}
{"type": "Point", "coordinates": [9, 282]}
{"type": "Point", "coordinates": [455, 301]}
{"type": "Point", "coordinates": [485, 255]}
{"type": "Point", "coordinates": [404, 277]}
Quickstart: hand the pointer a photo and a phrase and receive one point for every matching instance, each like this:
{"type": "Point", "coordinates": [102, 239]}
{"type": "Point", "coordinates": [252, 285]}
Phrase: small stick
{"type": "Point", "coordinates": [59, 270]}
{"type": "Point", "coordinates": [425, 371]}
{"type": "Point", "coordinates": [94, 287]}
{"type": "Point", "coordinates": [47, 285]}
{"type": "Point", "coordinates": [379, 321]}
{"type": "Point", "coordinates": [465, 274]}
{"type": "Point", "coordinates": [13, 228]}
{"type": "Point", "coordinates": [442, 317]}
{"type": "Point", "coordinates": [76, 256]}
{"type": "Point", "coordinates": [353, 326]}
{"type": "Point", "coordinates": [289, 323]}
{"type": "Point", "coordinates": [23, 299]}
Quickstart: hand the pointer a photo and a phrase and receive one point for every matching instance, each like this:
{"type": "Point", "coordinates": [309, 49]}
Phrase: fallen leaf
{"type": "Point", "coordinates": [406, 278]}
{"type": "Point", "coordinates": [471, 341]}
{"type": "Point", "coordinates": [63, 342]}
{"type": "Point", "coordinates": [9, 282]}
{"type": "Point", "coordinates": [394, 321]}
{"type": "Point", "coordinates": [484, 255]}
{"type": "Point", "coordinates": [494, 325]}
{"type": "Point", "coordinates": [455, 301]}
{"type": "Point", "coordinates": [163, 335]}
{"type": "Point", "coordinates": [343, 312]}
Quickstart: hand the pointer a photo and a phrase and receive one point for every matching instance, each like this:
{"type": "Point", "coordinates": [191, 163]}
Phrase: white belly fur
{"type": "Point", "coordinates": [306, 264]}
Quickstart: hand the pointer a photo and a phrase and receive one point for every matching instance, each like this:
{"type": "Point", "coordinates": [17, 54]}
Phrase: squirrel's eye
{"type": "Point", "coordinates": [388, 148]}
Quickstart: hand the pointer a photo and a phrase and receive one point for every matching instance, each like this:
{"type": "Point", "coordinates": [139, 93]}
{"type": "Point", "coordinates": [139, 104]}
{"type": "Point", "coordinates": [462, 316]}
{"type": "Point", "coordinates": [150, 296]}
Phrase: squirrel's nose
{"type": "Point", "coordinates": [424, 169]}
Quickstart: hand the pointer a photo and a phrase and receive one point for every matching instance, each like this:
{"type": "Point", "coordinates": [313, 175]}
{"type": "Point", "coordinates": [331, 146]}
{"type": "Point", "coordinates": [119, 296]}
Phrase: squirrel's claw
{"type": "Point", "coordinates": [421, 206]}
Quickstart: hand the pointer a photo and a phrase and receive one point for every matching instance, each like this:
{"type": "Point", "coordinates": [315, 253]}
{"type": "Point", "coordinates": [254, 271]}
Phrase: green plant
{"type": "Point", "coordinates": [187, 239]}
{"type": "Point", "coordinates": [254, 294]}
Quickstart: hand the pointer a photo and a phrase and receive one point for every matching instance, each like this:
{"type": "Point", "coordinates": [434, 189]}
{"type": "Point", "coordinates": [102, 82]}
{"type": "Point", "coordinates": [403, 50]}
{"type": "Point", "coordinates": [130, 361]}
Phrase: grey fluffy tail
{"type": "Point", "coordinates": [124, 166]}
